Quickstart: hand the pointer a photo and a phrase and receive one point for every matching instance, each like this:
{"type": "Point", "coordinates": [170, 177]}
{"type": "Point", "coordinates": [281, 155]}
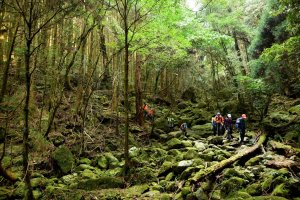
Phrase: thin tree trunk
{"type": "Point", "coordinates": [138, 91]}
{"type": "Point", "coordinates": [26, 171]}
{"type": "Point", "coordinates": [126, 70]}
{"type": "Point", "coordinates": [238, 52]}
{"type": "Point", "coordinates": [7, 64]}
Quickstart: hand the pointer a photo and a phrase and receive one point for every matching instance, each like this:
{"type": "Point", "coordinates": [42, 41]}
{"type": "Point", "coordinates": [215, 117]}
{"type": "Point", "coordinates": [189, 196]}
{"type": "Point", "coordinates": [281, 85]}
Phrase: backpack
{"type": "Point", "coordinates": [237, 122]}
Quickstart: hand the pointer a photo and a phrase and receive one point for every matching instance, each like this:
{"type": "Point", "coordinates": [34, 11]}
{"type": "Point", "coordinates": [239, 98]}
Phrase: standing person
{"type": "Point", "coordinates": [228, 123]}
{"type": "Point", "coordinates": [219, 123]}
{"type": "Point", "coordinates": [183, 128]}
{"type": "Point", "coordinates": [241, 127]}
{"type": "Point", "coordinates": [214, 124]}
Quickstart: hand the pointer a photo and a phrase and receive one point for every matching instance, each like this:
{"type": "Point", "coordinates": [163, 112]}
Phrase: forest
{"type": "Point", "coordinates": [150, 99]}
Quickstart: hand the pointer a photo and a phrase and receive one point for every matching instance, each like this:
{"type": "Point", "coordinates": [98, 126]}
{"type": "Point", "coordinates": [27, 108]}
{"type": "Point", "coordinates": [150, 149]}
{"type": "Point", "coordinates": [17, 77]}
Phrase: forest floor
{"type": "Point", "coordinates": [164, 165]}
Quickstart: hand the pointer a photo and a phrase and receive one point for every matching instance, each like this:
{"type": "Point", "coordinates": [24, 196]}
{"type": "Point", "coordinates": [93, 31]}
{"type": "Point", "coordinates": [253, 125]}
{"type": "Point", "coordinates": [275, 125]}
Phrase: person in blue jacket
{"type": "Point", "coordinates": [241, 127]}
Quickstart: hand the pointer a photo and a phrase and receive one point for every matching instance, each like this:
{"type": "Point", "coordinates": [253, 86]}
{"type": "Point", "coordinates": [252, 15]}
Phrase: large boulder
{"type": "Point", "coordinates": [201, 131]}
{"type": "Point", "coordinates": [63, 159]}
{"type": "Point", "coordinates": [174, 143]}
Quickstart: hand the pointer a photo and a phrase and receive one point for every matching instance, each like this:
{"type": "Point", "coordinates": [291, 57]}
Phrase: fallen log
{"type": "Point", "coordinates": [287, 150]}
{"type": "Point", "coordinates": [218, 167]}
{"type": "Point", "coordinates": [278, 164]}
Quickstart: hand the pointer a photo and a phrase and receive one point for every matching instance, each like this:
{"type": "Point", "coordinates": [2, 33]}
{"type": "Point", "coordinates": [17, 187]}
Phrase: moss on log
{"type": "Point", "coordinates": [218, 167]}
{"type": "Point", "coordinates": [285, 149]}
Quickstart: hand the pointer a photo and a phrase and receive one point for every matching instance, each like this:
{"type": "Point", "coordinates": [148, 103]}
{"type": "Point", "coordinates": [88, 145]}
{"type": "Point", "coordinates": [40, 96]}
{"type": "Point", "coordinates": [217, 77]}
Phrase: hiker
{"type": "Point", "coordinates": [148, 112]}
{"type": "Point", "coordinates": [171, 123]}
{"type": "Point", "coordinates": [228, 124]}
{"type": "Point", "coordinates": [218, 123]}
{"type": "Point", "coordinates": [241, 127]}
{"type": "Point", "coordinates": [183, 128]}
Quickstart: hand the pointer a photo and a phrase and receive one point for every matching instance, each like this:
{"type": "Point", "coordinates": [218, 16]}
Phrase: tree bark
{"type": "Point", "coordinates": [7, 64]}
{"type": "Point", "coordinates": [218, 167]}
{"type": "Point", "coordinates": [138, 91]}
{"type": "Point", "coordinates": [238, 52]}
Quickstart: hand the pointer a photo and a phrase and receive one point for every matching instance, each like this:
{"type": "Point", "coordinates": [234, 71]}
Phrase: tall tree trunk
{"type": "Point", "coordinates": [138, 91]}
{"type": "Point", "coordinates": [126, 73]}
{"type": "Point", "coordinates": [106, 81]}
{"type": "Point", "coordinates": [238, 52]}
{"type": "Point", "coordinates": [7, 63]}
{"type": "Point", "coordinates": [26, 171]}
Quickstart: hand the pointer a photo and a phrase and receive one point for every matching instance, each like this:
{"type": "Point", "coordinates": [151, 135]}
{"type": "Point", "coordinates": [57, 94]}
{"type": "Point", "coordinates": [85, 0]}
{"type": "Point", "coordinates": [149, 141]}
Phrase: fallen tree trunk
{"type": "Point", "coordinates": [287, 150]}
{"type": "Point", "coordinates": [278, 164]}
{"type": "Point", "coordinates": [218, 167]}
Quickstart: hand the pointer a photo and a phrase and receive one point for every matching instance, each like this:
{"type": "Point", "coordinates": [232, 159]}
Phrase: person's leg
{"type": "Point", "coordinates": [242, 134]}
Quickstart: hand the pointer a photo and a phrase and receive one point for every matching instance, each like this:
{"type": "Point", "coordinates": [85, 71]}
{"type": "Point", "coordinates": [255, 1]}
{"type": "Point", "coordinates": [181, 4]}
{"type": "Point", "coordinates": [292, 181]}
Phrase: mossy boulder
{"type": "Point", "coordinates": [102, 162]}
{"type": "Point", "coordinates": [174, 143]}
{"type": "Point", "coordinates": [277, 120]}
{"type": "Point", "coordinates": [190, 154]}
{"type": "Point", "coordinates": [254, 189]}
{"type": "Point", "coordinates": [200, 145]}
{"type": "Point", "coordinates": [63, 158]}
{"type": "Point", "coordinates": [165, 168]}
{"type": "Point", "coordinates": [217, 140]}
{"type": "Point", "coordinates": [239, 195]}
{"type": "Point", "coordinates": [85, 161]}
{"type": "Point", "coordinates": [201, 131]}
{"type": "Point", "coordinates": [295, 110]}
{"type": "Point", "coordinates": [231, 185]}
{"type": "Point", "coordinates": [112, 160]}
{"type": "Point", "coordinates": [280, 190]}
{"type": "Point", "coordinates": [103, 182]}
{"type": "Point", "coordinates": [266, 198]}
{"type": "Point", "coordinates": [253, 161]}
{"type": "Point", "coordinates": [4, 193]}
{"type": "Point", "coordinates": [174, 134]}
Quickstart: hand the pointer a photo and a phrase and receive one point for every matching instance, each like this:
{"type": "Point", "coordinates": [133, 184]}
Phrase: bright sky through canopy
{"type": "Point", "coordinates": [193, 5]}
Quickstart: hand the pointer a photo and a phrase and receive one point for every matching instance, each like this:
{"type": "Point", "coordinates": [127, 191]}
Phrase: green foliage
{"type": "Point", "coordinates": [270, 30]}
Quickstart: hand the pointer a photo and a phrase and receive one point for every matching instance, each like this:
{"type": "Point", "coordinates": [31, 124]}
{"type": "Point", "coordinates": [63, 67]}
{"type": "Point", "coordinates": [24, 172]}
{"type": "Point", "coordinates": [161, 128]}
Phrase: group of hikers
{"type": "Point", "coordinates": [221, 124]}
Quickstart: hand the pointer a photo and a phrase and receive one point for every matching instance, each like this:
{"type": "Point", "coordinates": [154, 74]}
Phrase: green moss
{"type": "Point", "coordinates": [295, 110]}
{"type": "Point", "coordinates": [4, 193]}
{"type": "Point", "coordinates": [239, 195]}
{"type": "Point", "coordinates": [254, 189]}
{"type": "Point", "coordinates": [231, 185]}
{"type": "Point", "coordinates": [100, 183]}
{"type": "Point", "coordinates": [266, 198]}
{"type": "Point", "coordinates": [253, 161]}
{"type": "Point", "coordinates": [191, 154]}
{"type": "Point", "coordinates": [63, 158]}
{"type": "Point", "coordinates": [280, 190]}
{"type": "Point", "coordinates": [174, 143]}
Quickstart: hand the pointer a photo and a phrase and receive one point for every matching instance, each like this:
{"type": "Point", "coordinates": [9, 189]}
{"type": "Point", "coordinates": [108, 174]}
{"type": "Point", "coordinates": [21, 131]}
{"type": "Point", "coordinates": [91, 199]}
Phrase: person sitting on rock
{"type": "Point", "coordinates": [228, 124]}
{"type": "Point", "coordinates": [241, 127]}
{"type": "Point", "coordinates": [183, 128]}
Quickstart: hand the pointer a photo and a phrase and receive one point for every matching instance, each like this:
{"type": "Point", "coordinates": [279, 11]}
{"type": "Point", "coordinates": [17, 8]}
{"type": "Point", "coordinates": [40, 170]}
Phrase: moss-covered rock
{"type": "Point", "coordinates": [112, 160]}
{"type": "Point", "coordinates": [4, 193]}
{"type": "Point", "coordinates": [187, 143]}
{"type": "Point", "coordinates": [85, 161]}
{"type": "Point", "coordinates": [266, 198]}
{"type": "Point", "coordinates": [295, 110]}
{"type": "Point", "coordinates": [165, 168]}
{"type": "Point", "coordinates": [254, 189]}
{"type": "Point", "coordinates": [239, 195]}
{"type": "Point", "coordinates": [190, 154]}
{"type": "Point", "coordinates": [174, 134]}
{"type": "Point", "coordinates": [253, 161]}
{"type": "Point", "coordinates": [217, 140]}
{"type": "Point", "coordinates": [102, 162]}
{"type": "Point", "coordinates": [231, 185]}
{"type": "Point", "coordinates": [100, 183]}
{"type": "Point", "coordinates": [174, 143]}
{"type": "Point", "coordinates": [200, 145]}
{"type": "Point", "coordinates": [277, 120]}
{"type": "Point", "coordinates": [280, 190]}
{"type": "Point", "coordinates": [201, 131]}
{"type": "Point", "coordinates": [63, 158]}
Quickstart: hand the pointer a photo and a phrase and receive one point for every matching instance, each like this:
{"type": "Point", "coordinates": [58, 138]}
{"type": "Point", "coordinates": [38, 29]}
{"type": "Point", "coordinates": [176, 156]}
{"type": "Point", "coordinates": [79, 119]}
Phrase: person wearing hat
{"type": "Point", "coordinates": [228, 123]}
{"type": "Point", "coordinates": [218, 122]}
{"type": "Point", "coordinates": [241, 127]}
